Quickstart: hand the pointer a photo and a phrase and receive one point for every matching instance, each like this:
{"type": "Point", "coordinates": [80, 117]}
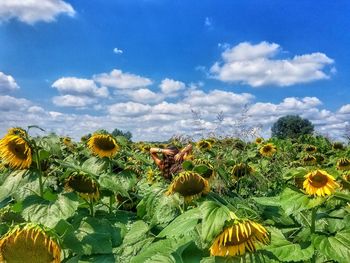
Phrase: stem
{"type": "Point", "coordinates": [110, 204]}
{"type": "Point", "coordinates": [313, 228]}
{"type": "Point", "coordinates": [91, 206]}
{"type": "Point", "coordinates": [41, 186]}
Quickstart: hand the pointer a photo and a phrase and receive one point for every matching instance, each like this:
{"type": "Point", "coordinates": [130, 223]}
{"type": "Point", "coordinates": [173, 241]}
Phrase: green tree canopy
{"type": "Point", "coordinates": [291, 126]}
{"type": "Point", "coordinates": [117, 132]}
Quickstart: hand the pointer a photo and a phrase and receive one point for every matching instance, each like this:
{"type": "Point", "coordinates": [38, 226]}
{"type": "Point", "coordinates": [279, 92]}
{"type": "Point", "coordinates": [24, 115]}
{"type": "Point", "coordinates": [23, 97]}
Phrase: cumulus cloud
{"type": "Point", "coordinates": [130, 109]}
{"type": "Point", "coordinates": [8, 103]}
{"type": "Point", "coordinates": [257, 65]}
{"type": "Point", "coordinates": [345, 109]}
{"type": "Point", "coordinates": [7, 83]}
{"type": "Point", "coordinates": [73, 101]}
{"type": "Point", "coordinates": [120, 80]}
{"type": "Point", "coordinates": [117, 50]}
{"type": "Point", "coordinates": [145, 95]}
{"type": "Point", "coordinates": [170, 86]}
{"type": "Point", "coordinates": [30, 12]}
{"type": "Point", "coordinates": [79, 86]}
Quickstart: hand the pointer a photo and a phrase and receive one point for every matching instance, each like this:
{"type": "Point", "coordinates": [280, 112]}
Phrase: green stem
{"type": "Point", "coordinates": [313, 229]}
{"type": "Point", "coordinates": [41, 186]}
{"type": "Point", "coordinates": [111, 204]}
{"type": "Point", "coordinates": [91, 206]}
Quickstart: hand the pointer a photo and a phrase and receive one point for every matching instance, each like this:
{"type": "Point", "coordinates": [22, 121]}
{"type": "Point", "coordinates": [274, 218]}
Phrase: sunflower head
{"type": "Point", "coordinates": [210, 168]}
{"type": "Point", "coordinates": [239, 238]}
{"type": "Point", "coordinates": [310, 149]}
{"type": "Point", "coordinates": [309, 160]}
{"type": "Point", "coordinates": [204, 145]}
{"type": "Point", "coordinates": [319, 183]}
{"type": "Point", "coordinates": [67, 141]}
{"type": "Point", "coordinates": [84, 185]}
{"type": "Point", "coordinates": [338, 146]}
{"type": "Point", "coordinates": [268, 150]}
{"type": "Point", "coordinates": [15, 151]}
{"type": "Point", "coordinates": [29, 243]}
{"type": "Point", "coordinates": [259, 140]}
{"type": "Point", "coordinates": [103, 145]}
{"type": "Point", "coordinates": [189, 185]}
{"type": "Point", "coordinates": [17, 131]}
{"type": "Point", "coordinates": [241, 169]}
{"type": "Point", "coordinates": [343, 164]}
{"type": "Point", "coordinates": [84, 138]}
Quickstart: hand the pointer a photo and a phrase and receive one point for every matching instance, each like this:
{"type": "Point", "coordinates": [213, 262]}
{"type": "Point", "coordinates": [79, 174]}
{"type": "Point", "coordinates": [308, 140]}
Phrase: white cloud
{"type": "Point", "coordinates": [8, 103]}
{"type": "Point", "coordinates": [119, 80]}
{"type": "Point", "coordinates": [145, 95]}
{"type": "Point", "coordinates": [7, 83]}
{"type": "Point", "coordinates": [79, 86]}
{"type": "Point", "coordinates": [130, 109]}
{"type": "Point", "coordinates": [208, 22]}
{"type": "Point", "coordinates": [345, 109]}
{"type": "Point", "coordinates": [256, 66]}
{"type": "Point", "coordinates": [73, 101]}
{"type": "Point", "coordinates": [32, 11]}
{"type": "Point", "coordinates": [117, 51]}
{"type": "Point", "coordinates": [170, 86]}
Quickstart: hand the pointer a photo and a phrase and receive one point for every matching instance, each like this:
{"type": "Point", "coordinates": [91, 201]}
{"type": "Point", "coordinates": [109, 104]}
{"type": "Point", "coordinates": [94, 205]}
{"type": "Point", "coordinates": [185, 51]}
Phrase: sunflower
{"type": "Point", "coordinates": [319, 183]}
{"type": "Point", "coordinates": [210, 172]}
{"type": "Point", "coordinates": [204, 145]}
{"type": "Point", "coordinates": [241, 169]}
{"type": "Point", "coordinates": [310, 149]}
{"type": "Point", "coordinates": [17, 131]}
{"type": "Point", "coordinates": [15, 151]}
{"type": "Point", "coordinates": [189, 185]}
{"type": "Point", "coordinates": [309, 160]}
{"type": "Point", "coordinates": [29, 243]}
{"type": "Point", "coordinates": [343, 164]}
{"type": "Point", "coordinates": [67, 141]}
{"type": "Point", "coordinates": [239, 238]}
{"type": "Point", "coordinates": [338, 146]}
{"type": "Point", "coordinates": [103, 145]}
{"type": "Point", "coordinates": [84, 185]}
{"type": "Point", "coordinates": [268, 150]}
{"type": "Point", "coordinates": [259, 140]}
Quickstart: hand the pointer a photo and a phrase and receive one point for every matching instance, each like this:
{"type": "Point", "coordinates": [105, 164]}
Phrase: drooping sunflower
{"type": "Point", "coordinates": [268, 150]}
{"type": "Point", "coordinates": [309, 160]}
{"type": "Point", "coordinates": [29, 243]}
{"type": "Point", "coordinates": [343, 164]}
{"type": "Point", "coordinates": [210, 172]}
{"type": "Point", "coordinates": [204, 145]}
{"type": "Point", "coordinates": [310, 149]}
{"type": "Point", "coordinates": [67, 141]}
{"type": "Point", "coordinates": [319, 183]}
{"type": "Point", "coordinates": [338, 146]}
{"type": "Point", "coordinates": [15, 151]}
{"type": "Point", "coordinates": [239, 238]}
{"type": "Point", "coordinates": [84, 185]}
{"type": "Point", "coordinates": [259, 140]}
{"type": "Point", "coordinates": [17, 131]}
{"type": "Point", "coordinates": [189, 184]}
{"type": "Point", "coordinates": [241, 169]}
{"type": "Point", "coordinates": [103, 145]}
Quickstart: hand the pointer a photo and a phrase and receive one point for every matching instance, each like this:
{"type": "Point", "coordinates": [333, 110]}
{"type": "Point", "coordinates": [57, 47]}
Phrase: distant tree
{"type": "Point", "coordinates": [291, 126]}
{"type": "Point", "coordinates": [347, 133]}
{"type": "Point", "coordinates": [117, 132]}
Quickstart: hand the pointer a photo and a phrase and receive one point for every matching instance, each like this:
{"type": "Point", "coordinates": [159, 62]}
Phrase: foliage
{"type": "Point", "coordinates": [291, 126]}
{"type": "Point", "coordinates": [116, 132]}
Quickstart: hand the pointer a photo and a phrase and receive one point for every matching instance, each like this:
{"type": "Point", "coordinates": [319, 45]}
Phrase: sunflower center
{"type": "Point", "coordinates": [19, 150]}
{"type": "Point", "coordinates": [318, 180]}
{"type": "Point", "coordinates": [267, 149]}
{"type": "Point", "coordinates": [189, 185]}
{"type": "Point", "coordinates": [105, 144]}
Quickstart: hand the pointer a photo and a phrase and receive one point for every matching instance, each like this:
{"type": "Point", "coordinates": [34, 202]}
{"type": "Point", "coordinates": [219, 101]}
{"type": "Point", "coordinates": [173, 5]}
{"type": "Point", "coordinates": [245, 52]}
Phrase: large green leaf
{"type": "Point", "coordinates": [335, 247]}
{"type": "Point", "coordinates": [94, 165]}
{"type": "Point", "coordinates": [285, 250]}
{"type": "Point", "coordinates": [11, 183]}
{"type": "Point", "coordinates": [39, 210]}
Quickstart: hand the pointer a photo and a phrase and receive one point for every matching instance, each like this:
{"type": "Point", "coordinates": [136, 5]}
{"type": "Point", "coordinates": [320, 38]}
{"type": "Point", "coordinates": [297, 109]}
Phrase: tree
{"type": "Point", "coordinates": [117, 132]}
{"type": "Point", "coordinates": [291, 126]}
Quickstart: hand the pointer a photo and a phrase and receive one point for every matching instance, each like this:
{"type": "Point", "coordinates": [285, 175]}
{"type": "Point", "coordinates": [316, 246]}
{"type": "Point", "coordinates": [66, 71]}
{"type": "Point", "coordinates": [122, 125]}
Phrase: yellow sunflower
{"type": "Point", "coordinates": [241, 169]}
{"type": "Point", "coordinates": [29, 243]}
{"type": "Point", "coordinates": [189, 185]}
{"type": "Point", "coordinates": [319, 183]}
{"type": "Point", "coordinates": [67, 141]}
{"type": "Point", "coordinates": [15, 151]}
{"type": "Point", "coordinates": [204, 145]}
{"type": "Point", "coordinates": [309, 160]}
{"type": "Point", "coordinates": [17, 131]}
{"type": "Point", "coordinates": [310, 149]}
{"type": "Point", "coordinates": [259, 140]}
{"type": "Point", "coordinates": [343, 164]}
{"type": "Point", "coordinates": [239, 238]}
{"type": "Point", "coordinates": [268, 150]}
{"type": "Point", "coordinates": [103, 145]}
{"type": "Point", "coordinates": [84, 185]}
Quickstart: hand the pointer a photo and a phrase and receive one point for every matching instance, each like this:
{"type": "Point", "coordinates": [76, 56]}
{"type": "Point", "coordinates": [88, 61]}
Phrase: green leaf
{"type": "Point", "coordinates": [11, 183]}
{"type": "Point", "coordinates": [182, 224]}
{"type": "Point", "coordinates": [39, 210]}
{"type": "Point", "coordinates": [335, 247]}
{"type": "Point", "coordinates": [94, 165]}
{"type": "Point", "coordinates": [43, 155]}
{"type": "Point", "coordinates": [187, 165]}
{"type": "Point", "coordinates": [342, 196]}
{"type": "Point", "coordinates": [285, 250]}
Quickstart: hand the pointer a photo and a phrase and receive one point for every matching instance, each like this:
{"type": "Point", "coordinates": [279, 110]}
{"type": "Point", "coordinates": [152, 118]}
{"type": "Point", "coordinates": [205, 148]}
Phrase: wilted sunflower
{"type": "Point", "coordinates": [309, 160]}
{"type": "Point", "coordinates": [241, 169]}
{"type": "Point", "coordinates": [268, 150]}
{"type": "Point", "coordinates": [239, 238]}
{"type": "Point", "coordinates": [29, 243]}
{"type": "Point", "coordinates": [319, 183]}
{"type": "Point", "coordinates": [16, 152]}
{"type": "Point", "coordinates": [338, 146]}
{"type": "Point", "coordinates": [67, 141]}
{"type": "Point", "coordinates": [103, 145]}
{"type": "Point", "coordinates": [204, 145]}
{"type": "Point", "coordinates": [189, 185]}
{"type": "Point", "coordinates": [17, 131]}
{"type": "Point", "coordinates": [210, 172]}
{"type": "Point", "coordinates": [310, 149]}
{"type": "Point", "coordinates": [259, 140]}
{"type": "Point", "coordinates": [343, 164]}
{"type": "Point", "coordinates": [84, 185]}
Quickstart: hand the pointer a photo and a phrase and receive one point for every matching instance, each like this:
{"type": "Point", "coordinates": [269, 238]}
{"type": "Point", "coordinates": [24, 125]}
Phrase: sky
{"type": "Point", "coordinates": [159, 68]}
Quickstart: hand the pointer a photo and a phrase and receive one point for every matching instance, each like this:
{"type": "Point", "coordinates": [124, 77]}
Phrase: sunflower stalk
{"type": "Point", "coordinates": [38, 165]}
{"type": "Point", "coordinates": [313, 229]}
{"type": "Point", "coordinates": [91, 207]}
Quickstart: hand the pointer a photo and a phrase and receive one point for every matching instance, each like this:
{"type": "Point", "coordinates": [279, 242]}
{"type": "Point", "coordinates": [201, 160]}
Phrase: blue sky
{"type": "Point", "coordinates": [76, 66]}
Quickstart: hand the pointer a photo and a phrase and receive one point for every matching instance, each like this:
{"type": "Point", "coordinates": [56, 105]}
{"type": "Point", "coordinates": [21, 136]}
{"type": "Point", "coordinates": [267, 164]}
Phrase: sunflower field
{"type": "Point", "coordinates": [104, 200]}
